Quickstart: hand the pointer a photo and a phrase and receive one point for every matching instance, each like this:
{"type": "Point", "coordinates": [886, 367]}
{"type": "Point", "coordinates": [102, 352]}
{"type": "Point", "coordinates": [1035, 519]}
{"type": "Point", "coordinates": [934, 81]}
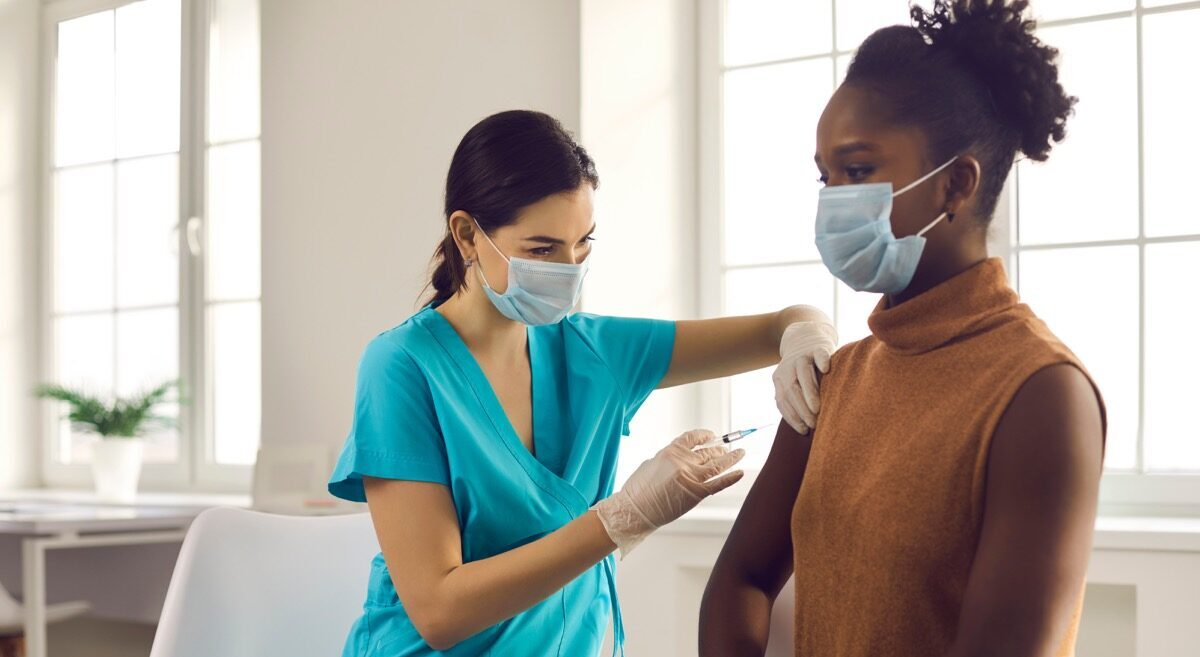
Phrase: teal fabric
{"type": "Point", "coordinates": [425, 412]}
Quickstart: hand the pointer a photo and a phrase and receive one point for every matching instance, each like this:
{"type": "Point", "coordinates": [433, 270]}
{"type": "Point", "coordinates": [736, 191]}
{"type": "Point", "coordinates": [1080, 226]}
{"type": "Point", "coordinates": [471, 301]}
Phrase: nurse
{"type": "Point", "coordinates": [486, 426]}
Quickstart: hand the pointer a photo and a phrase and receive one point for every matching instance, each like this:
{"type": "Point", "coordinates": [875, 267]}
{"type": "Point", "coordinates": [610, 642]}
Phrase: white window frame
{"type": "Point", "coordinates": [196, 469]}
{"type": "Point", "coordinates": [1122, 493]}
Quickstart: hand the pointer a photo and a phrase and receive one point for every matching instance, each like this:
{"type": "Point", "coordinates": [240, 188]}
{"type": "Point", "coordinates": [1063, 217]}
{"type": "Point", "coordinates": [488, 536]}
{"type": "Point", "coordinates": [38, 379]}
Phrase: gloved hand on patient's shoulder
{"type": "Point", "coordinates": [806, 349]}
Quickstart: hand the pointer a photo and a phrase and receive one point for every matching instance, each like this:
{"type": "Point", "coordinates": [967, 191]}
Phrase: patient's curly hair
{"type": "Point", "coordinates": [972, 75]}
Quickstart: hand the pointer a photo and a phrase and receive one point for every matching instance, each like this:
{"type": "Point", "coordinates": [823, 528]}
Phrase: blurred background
{"type": "Point", "coordinates": [239, 194]}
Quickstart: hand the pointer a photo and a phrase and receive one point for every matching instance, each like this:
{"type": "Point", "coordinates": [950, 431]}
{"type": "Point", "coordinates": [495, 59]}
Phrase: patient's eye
{"type": "Point", "coordinates": [859, 172]}
{"type": "Point", "coordinates": [542, 251]}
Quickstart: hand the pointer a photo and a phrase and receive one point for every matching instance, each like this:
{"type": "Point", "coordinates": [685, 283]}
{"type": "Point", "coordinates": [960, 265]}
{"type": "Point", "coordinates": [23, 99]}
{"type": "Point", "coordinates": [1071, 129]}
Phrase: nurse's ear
{"type": "Point", "coordinates": [463, 229]}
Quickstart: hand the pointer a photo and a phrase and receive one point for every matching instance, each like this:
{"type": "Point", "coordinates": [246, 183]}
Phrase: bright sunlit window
{"type": "Point", "coordinates": [153, 226]}
{"type": "Point", "coordinates": [1107, 243]}
{"type": "Point", "coordinates": [1101, 240]}
{"type": "Point", "coordinates": [778, 62]}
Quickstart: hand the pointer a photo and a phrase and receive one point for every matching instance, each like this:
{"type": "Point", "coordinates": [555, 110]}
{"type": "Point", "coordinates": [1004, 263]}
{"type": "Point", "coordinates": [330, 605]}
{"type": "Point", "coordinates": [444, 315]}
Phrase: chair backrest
{"type": "Point", "coordinates": [250, 584]}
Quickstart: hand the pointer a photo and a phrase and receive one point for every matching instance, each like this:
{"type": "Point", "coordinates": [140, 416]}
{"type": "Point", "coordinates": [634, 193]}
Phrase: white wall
{"type": "Point", "coordinates": [19, 148]}
{"type": "Point", "coordinates": [363, 104]}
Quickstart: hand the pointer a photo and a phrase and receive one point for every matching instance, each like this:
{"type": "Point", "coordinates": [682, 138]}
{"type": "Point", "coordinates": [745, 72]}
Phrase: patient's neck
{"type": "Point", "coordinates": [931, 274]}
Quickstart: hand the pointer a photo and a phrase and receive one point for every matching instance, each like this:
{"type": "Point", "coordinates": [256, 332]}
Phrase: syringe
{"type": "Point", "coordinates": [734, 435]}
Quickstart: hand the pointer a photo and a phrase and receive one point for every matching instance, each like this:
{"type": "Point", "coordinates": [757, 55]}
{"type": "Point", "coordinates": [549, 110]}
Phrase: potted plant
{"type": "Point", "coordinates": [117, 455]}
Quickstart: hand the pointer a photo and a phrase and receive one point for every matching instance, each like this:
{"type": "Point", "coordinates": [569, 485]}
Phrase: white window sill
{"type": "Point", "coordinates": [89, 498]}
{"type": "Point", "coordinates": [1112, 532]}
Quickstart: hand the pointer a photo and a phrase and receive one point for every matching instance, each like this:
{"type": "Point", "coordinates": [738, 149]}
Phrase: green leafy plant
{"type": "Point", "coordinates": [127, 417]}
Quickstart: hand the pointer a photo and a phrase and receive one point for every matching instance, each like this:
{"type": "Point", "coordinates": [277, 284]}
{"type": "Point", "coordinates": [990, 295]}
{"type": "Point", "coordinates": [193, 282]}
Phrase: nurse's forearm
{"type": "Point", "coordinates": [479, 594]}
{"type": "Point", "coordinates": [790, 315]}
{"type": "Point", "coordinates": [716, 348]}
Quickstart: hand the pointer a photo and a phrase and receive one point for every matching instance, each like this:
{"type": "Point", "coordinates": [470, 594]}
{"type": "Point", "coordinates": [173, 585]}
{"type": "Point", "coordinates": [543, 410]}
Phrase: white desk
{"type": "Point", "coordinates": [50, 520]}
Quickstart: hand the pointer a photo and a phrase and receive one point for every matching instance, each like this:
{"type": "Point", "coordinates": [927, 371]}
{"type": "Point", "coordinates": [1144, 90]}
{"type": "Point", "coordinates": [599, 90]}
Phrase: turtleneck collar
{"type": "Point", "coordinates": [956, 307]}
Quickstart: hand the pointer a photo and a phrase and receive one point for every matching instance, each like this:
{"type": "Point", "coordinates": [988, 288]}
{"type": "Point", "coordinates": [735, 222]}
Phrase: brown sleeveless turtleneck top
{"type": "Point", "coordinates": [886, 523]}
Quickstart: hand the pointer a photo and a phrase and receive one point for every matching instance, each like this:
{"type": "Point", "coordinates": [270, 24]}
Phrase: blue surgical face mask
{"type": "Point", "coordinates": [538, 292]}
{"type": "Point", "coordinates": [855, 238]}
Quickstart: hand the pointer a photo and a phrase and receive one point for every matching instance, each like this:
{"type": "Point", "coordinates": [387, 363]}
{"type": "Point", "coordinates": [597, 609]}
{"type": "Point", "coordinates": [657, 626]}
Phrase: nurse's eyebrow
{"type": "Point", "coordinates": [554, 240]}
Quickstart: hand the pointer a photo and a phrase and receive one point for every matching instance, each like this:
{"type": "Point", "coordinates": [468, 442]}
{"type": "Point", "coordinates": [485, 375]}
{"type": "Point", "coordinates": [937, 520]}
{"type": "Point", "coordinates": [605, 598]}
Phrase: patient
{"type": "Point", "coordinates": [944, 504]}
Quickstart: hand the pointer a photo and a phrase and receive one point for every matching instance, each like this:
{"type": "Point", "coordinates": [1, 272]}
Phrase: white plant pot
{"type": "Point", "coordinates": [116, 467]}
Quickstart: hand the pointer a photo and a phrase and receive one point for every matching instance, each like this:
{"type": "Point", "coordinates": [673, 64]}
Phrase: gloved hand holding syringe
{"type": "Point", "coordinates": [655, 494]}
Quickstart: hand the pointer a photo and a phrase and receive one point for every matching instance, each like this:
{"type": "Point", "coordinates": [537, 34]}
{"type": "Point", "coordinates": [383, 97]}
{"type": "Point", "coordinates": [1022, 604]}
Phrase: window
{"type": "Point", "coordinates": [1110, 272]}
{"type": "Point", "coordinates": [776, 63]}
{"type": "Point", "coordinates": [152, 227]}
{"type": "Point", "coordinates": [1107, 248]}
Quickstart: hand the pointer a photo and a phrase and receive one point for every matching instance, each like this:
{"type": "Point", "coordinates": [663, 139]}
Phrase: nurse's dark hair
{"type": "Point", "coordinates": [974, 78]}
{"type": "Point", "coordinates": [504, 163]}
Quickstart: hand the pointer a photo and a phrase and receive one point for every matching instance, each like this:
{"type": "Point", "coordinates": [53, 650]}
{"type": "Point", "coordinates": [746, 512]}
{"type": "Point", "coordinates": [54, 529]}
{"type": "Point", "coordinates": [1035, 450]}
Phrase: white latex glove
{"type": "Point", "coordinates": [667, 486]}
{"type": "Point", "coordinates": [805, 348]}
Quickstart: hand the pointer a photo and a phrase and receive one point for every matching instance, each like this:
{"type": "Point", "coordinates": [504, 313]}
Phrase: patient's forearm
{"type": "Point", "coordinates": [735, 618]}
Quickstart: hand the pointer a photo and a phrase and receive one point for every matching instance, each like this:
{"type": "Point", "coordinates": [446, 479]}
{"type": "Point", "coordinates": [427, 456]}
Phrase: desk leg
{"type": "Point", "coordinates": [33, 565]}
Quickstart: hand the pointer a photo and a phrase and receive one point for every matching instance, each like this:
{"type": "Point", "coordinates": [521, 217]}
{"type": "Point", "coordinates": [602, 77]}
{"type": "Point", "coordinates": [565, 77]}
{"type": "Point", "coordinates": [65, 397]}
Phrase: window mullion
{"type": "Point", "coordinates": [1141, 168]}
{"type": "Point", "coordinates": [711, 398]}
{"type": "Point", "coordinates": [191, 205]}
{"type": "Point", "coordinates": [116, 211]}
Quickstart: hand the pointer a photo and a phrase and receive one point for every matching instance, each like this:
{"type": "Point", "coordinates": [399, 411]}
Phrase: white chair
{"type": "Point", "coordinates": [250, 584]}
{"type": "Point", "coordinates": [12, 614]}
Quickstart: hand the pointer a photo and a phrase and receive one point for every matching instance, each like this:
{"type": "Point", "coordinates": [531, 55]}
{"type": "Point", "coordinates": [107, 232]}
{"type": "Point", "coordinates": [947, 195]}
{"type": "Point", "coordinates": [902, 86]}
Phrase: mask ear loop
{"type": "Point", "coordinates": [922, 179]}
{"type": "Point", "coordinates": [934, 223]}
{"type": "Point", "coordinates": [489, 240]}
{"type": "Point", "coordinates": [925, 177]}
{"type": "Point", "coordinates": [479, 269]}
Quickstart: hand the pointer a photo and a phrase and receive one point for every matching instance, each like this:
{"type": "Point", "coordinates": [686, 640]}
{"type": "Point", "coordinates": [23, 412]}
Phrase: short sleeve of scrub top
{"type": "Point", "coordinates": [637, 352]}
{"type": "Point", "coordinates": [394, 433]}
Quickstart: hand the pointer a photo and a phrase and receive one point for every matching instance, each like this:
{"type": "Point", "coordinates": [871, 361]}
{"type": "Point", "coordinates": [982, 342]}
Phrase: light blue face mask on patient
{"type": "Point", "coordinates": [855, 238]}
{"type": "Point", "coordinates": [538, 292]}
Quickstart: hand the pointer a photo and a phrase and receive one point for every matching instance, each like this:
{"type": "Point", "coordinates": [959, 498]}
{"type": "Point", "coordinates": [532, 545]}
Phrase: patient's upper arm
{"type": "Point", "coordinates": [759, 547]}
{"type": "Point", "coordinates": [1043, 476]}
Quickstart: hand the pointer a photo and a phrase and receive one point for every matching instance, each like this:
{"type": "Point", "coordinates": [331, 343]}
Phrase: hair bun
{"type": "Point", "coordinates": [996, 40]}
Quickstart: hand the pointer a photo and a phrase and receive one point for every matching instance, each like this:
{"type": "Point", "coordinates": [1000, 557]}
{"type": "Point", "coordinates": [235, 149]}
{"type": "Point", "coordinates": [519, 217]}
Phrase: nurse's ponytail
{"type": "Point", "coordinates": [504, 163]}
{"type": "Point", "coordinates": [449, 270]}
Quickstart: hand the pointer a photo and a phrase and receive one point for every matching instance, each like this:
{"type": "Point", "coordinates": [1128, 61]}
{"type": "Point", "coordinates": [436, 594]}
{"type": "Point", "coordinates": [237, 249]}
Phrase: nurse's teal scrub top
{"type": "Point", "coordinates": [424, 411]}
